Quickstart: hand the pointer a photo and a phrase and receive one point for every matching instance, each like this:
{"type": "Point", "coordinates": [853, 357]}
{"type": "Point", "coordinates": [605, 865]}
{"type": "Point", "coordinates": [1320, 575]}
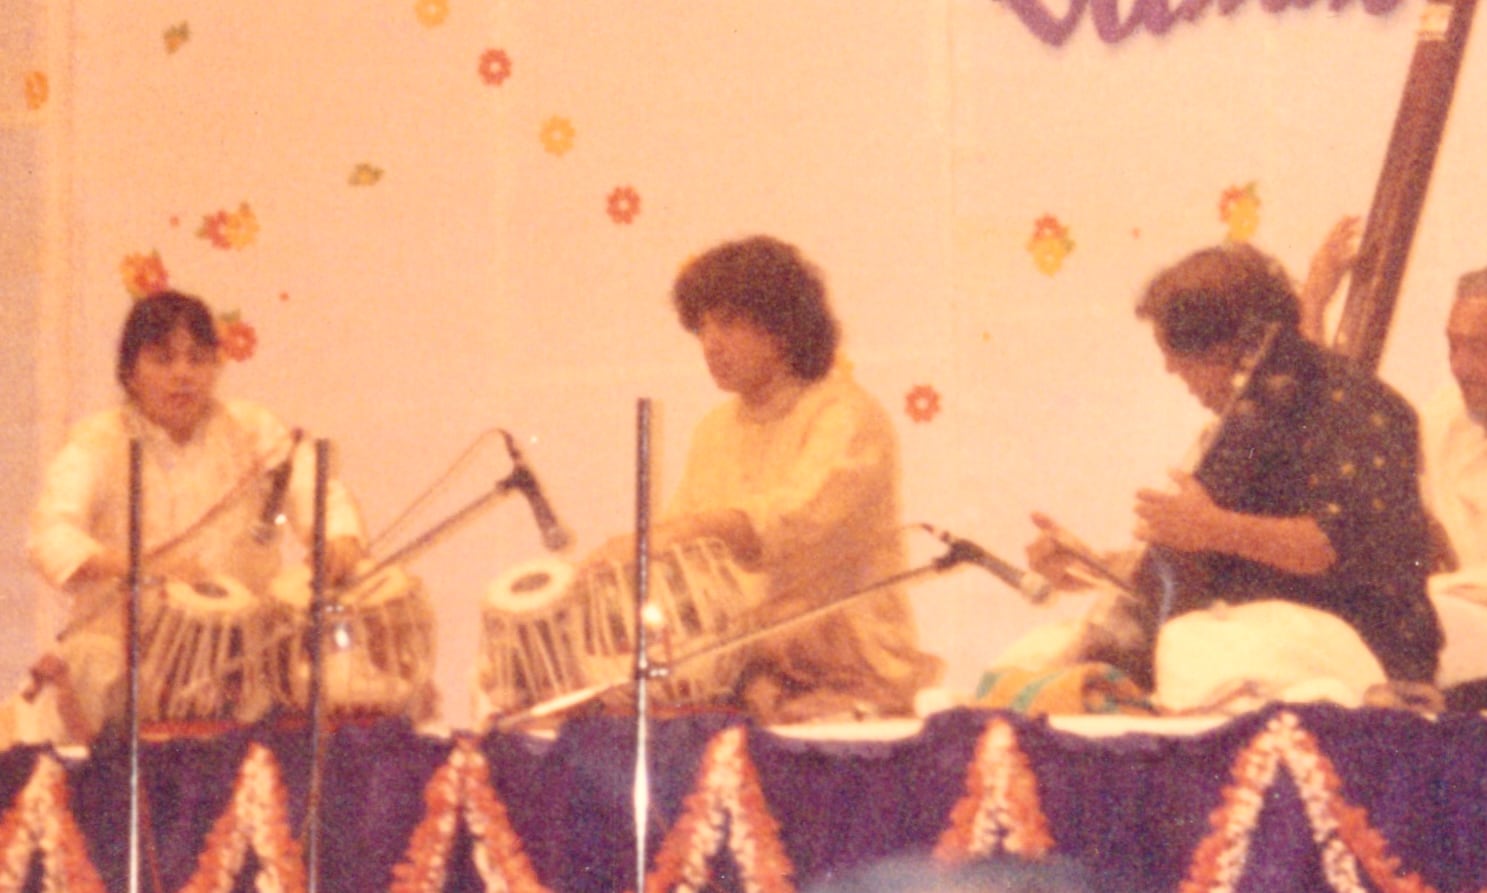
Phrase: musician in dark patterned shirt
{"type": "Point", "coordinates": [1306, 491]}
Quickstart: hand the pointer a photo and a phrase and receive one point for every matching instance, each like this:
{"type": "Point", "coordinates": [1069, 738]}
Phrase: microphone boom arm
{"type": "Point", "coordinates": [552, 706]}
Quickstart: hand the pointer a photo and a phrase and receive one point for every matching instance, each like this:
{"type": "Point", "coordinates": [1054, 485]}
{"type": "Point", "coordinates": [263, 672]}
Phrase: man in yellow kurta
{"type": "Point", "coordinates": [798, 475]}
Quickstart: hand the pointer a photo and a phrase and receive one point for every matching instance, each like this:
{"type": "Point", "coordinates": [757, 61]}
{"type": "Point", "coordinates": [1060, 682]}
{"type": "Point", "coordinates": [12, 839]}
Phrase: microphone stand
{"type": "Point", "coordinates": [317, 670]}
{"type": "Point", "coordinates": [514, 721]}
{"type": "Point", "coordinates": [131, 632]}
{"type": "Point", "coordinates": [641, 792]}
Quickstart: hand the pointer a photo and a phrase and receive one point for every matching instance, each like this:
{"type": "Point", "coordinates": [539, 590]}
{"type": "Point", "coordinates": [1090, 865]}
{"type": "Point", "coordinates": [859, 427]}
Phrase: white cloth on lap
{"type": "Point", "coordinates": [1231, 658]}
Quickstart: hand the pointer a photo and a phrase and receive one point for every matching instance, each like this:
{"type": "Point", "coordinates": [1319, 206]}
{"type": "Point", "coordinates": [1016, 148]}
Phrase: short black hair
{"type": "Point", "coordinates": [153, 318]}
{"type": "Point", "coordinates": [1215, 296]}
{"type": "Point", "coordinates": [769, 283]}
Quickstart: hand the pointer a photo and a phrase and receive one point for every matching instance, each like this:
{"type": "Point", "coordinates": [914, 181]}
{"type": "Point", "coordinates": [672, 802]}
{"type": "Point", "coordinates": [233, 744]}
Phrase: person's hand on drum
{"type": "Point", "coordinates": [620, 549]}
{"type": "Point", "coordinates": [342, 555]}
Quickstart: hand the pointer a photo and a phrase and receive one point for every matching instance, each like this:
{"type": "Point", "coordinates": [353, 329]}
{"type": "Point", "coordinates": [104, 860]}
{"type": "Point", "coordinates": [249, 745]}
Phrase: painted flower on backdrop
{"type": "Point", "coordinates": [229, 230]}
{"type": "Point", "coordinates": [623, 204]}
{"type": "Point", "coordinates": [558, 135]}
{"type": "Point", "coordinates": [922, 403]}
{"type": "Point", "coordinates": [238, 339]}
{"type": "Point", "coordinates": [365, 174]}
{"type": "Point", "coordinates": [431, 13]}
{"type": "Point", "coordinates": [495, 67]}
{"type": "Point", "coordinates": [176, 36]}
{"type": "Point", "coordinates": [1049, 244]}
{"type": "Point", "coordinates": [143, 274]}
{"type": "Point", "coordinates": [38, 89]}
{"type": "Point", "coordinates": [1239, 207]}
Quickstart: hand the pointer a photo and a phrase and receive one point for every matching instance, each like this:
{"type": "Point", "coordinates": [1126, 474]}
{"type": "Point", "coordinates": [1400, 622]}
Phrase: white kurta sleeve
{"type": "Point", "coordinates": [60, 540]}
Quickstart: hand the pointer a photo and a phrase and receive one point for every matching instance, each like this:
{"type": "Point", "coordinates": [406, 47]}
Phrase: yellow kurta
{"type": "Point", "coordinates": [816, 473]}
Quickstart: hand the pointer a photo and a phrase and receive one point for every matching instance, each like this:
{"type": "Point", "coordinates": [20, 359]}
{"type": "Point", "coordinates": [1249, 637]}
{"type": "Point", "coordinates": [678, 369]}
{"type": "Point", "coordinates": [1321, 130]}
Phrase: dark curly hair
{"type": "Point", "coordinates": [153, 318]}
{"type": "Point", "coordinates": [1217, 296]}
{"type": "Point", "coordinates": [768, 283]}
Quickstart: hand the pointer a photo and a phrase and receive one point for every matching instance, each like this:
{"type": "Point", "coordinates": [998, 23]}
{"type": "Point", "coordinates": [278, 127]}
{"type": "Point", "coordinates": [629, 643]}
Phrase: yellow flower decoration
{"type": "Point", "coordinates": [230, 230]}
{"type": "Point", "coordinates": [1049, 244]}
{"type": "Point", "coordinates": [558, 135]}
{"type": "Point", "coordinates": [1239, 207]}
{"type": "Point", "coordinates": [38, 89]}
{"type": "Point", "coordinates": [176, 36]}
{"type": "Point", "coordinates": [365, 174]}
{"type": "Point", "coordinates": [431, 13]}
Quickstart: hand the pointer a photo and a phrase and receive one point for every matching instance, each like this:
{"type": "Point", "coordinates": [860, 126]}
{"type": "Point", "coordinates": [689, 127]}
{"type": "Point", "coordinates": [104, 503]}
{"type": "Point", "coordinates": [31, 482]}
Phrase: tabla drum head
{"type": "Point", "coordinates": [530, 586]}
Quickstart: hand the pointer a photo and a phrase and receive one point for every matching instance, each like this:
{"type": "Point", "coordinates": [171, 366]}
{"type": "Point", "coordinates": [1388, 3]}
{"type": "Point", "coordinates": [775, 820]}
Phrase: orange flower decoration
{"type": "Point", "coordinates": [495, 67]}
{"type": "Point", "coordinates": [922, 403]}
{"type": "Point", "coordinates": [1239, 207]}
{"type": "Point", "coordinates": [238, 339]}
{"type": "Point", "coordinates": [230, 230]}
{"type": "Point", "coordinates": [624, 204]}
{"type": "Point", "coordinates": [144, 274]}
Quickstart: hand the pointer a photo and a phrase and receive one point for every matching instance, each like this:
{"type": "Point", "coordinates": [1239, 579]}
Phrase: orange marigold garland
{"type": "Point", "coordinates": [461, 787]}
{"type": "Point", "coordinates": [1347, 840]}
{"type": "Point", "coordinates": [41, 820]}
{"type": "Point", "coordinates": [498, 851]}
{"type": "Point", "coordinates": [728, 797]}
{"type": "Point", "coordinates": [256, 816]}
{"type": "Point", "coordinates": [1000, 812]}
{"type": "Point", "coordinates": [425, 859]}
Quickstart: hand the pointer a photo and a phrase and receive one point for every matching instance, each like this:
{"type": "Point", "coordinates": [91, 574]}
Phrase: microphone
{"type": "Point", "coordinates": [962, 551]}
{"type": "Point", "coordinates": [554, 535]}
{"type": "Point", "coordinates": [272, 515]}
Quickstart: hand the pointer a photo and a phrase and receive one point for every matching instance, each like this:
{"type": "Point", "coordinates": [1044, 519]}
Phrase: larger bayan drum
{"type": "Point", "coordinates": [377, 645]}
{"type": "Point", "coordinates": [697, 600]}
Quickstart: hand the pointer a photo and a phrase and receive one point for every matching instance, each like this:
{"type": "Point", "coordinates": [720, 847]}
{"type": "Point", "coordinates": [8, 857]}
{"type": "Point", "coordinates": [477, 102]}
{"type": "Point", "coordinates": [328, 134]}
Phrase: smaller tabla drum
{"type": "Point", "coordinates": [377, 645]}
{"type": "Point", "coordinates": [698, 599]}
{"type": "Point", "coordinates": [202, 652]}
{"type": "Point", "coordinates": [530, 637]}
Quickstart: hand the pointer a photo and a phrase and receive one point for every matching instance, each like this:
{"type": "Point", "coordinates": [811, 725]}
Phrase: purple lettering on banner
{"type": "Point", "coordinates": [1154, 16]}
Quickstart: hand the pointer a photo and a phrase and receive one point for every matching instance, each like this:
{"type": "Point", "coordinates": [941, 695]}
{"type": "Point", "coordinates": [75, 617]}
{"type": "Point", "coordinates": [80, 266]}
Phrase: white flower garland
{"type": "Point", "coordinates": [255, 817]}
{"type": "Point", "coordinates": [727, 796]}
{"type": "Point", "coordinates": [40, 820]}
{"type": "Point", "coordinates": [1282, 743]}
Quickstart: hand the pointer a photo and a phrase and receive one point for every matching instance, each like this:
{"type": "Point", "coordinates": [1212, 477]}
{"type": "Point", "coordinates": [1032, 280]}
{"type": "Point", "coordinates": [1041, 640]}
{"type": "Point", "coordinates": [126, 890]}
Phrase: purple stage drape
{"type": "Point", "coordinates": [1292, 798]}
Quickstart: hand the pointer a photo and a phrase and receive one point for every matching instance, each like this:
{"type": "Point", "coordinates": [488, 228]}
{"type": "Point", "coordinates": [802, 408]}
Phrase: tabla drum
{"type": "Point", "coordinates": [697, 599]}
{"type": "Point", "coordinates": [530, 639]}
{"type": "Point", "coordinates": [377, 645]}
{"type": "Point", "coordinates": [201, 652]}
